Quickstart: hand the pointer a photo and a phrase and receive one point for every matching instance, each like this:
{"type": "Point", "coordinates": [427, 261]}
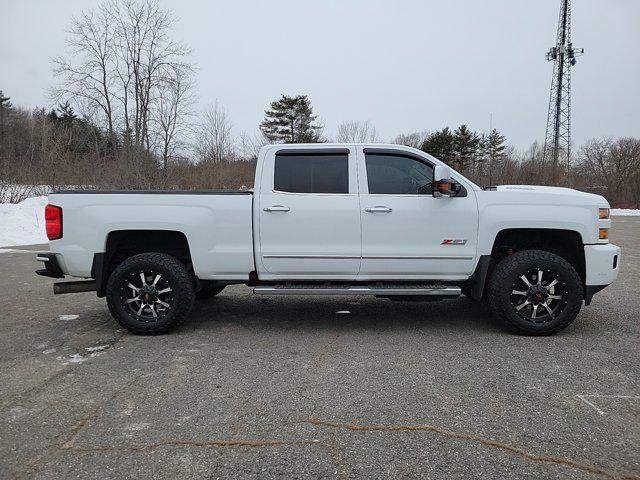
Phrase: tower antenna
{"type": "Point", "coordinates": [557, 142]}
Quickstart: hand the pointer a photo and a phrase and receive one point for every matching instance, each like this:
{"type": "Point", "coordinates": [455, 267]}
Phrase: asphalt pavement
{"type": "Point", "coordinates": [316, 387]}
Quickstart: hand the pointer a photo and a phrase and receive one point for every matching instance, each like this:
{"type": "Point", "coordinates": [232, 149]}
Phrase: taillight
{"type": "Point", "coordinates": [53, 218]}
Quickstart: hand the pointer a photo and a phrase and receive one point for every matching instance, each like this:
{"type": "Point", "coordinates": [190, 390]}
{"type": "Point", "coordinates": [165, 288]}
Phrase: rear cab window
{"type": "Point", "coordinates": [311, 172]}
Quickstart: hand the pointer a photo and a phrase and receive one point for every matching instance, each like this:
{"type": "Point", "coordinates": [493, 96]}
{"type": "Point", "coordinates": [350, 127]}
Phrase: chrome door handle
{"type": "Point", "coordinates": [378, 209]}
{"type": "Point", "coordinates": [276, 208]}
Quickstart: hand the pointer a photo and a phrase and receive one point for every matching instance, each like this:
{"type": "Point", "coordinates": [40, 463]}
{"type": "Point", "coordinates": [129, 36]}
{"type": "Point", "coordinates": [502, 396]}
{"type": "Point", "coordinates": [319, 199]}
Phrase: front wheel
{"type": "Point", "coordinates": [535, 292]}
{"type": "Point", "coordinates": [150, 293]}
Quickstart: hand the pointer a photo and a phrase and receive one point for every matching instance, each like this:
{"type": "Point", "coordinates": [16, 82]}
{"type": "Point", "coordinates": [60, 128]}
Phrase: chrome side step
{"type": "Point", "coordinates": [381, 290]}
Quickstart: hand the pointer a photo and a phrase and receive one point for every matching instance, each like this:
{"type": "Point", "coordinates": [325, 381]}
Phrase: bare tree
{"type": "Point", "coordinates": [145, 50]}
{"type": "Point", "coordinates": [357, 132]}
{"type": "Point", "coordinates": [415, 139]}
{"type": "Point", "coordinates": [215, 141]}
{"type": "Point", "coordinates": [615, 165]}
{"type": "Point", "coordinates": [87, 75]}
{"type": "Point", "coordinates": [173, 100]}
{"type": "Point", "coordinates": [118, 61]}
{"type": "Point", "coordinates": [249, 145]}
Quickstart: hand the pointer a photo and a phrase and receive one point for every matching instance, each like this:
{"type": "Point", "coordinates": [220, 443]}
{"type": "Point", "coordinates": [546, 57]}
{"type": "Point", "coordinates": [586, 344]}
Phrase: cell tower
{"type": "Point", "coordinates": [557, 142]}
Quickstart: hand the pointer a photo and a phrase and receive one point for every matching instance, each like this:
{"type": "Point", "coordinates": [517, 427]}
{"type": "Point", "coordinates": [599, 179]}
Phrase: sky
{"type": "Point", "coordinates": [404, 65]}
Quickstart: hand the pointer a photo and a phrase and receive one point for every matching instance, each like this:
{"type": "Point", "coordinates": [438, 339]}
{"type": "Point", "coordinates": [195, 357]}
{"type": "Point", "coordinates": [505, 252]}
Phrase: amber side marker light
{"type": "Point", "coordinates": [603, 234]}
{"type": "Point", "coordinates": [603, 213]}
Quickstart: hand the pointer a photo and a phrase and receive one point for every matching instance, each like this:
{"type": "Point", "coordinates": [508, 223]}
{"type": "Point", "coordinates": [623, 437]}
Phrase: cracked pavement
{"type": "Point", "coordinates": [254, 387]}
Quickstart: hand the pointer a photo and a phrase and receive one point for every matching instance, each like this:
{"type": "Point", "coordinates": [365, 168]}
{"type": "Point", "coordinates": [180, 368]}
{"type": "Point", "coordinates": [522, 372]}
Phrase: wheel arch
{"type": "Point", "coordinates": [123, 244]}
{"type": "Point", "coordinates": [565, 243]}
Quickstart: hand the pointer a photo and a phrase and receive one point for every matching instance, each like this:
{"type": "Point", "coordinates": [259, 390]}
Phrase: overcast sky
{"type": "Point", "coordinates": [403, 65]}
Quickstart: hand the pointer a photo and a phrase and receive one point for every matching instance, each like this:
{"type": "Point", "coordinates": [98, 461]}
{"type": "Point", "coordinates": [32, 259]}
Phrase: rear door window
{"type": "Point", "coordinates": [312, 173]}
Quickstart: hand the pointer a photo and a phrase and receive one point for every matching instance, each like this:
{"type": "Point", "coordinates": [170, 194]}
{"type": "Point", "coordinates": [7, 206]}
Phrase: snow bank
{"type": "Point", "coordinates": [625, 212]}
{"type": "Point", "coordinates": [23, 223]}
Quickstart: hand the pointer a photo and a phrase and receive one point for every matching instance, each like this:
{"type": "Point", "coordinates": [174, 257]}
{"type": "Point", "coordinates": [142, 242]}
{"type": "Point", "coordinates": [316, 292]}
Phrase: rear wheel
{"type": "Point", "coordinates": [535, 292]}
{"type": "Point", "coordinates": [150, 293]}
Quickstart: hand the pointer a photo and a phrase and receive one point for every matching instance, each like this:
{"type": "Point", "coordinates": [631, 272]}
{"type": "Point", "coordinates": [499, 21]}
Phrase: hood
{"type": "Point", "coordinates": [555, 192]}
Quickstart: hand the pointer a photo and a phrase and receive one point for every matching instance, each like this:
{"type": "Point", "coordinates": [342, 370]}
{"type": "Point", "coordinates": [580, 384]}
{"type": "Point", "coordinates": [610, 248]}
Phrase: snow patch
{"type": "Point", "coordinates": [76, 358]}
{"type": "Point", "coordinates": [343, 311]}
{"type": "Point", "coordinates": [49, 350]}
{"type": "Point", "coordinates": [625, 212]}
{"type": "Point", "coordinates": [92, 352]}
{"type": "Point", "coordinates": [99, 348]}
{"type": "Point", "coordinates": [66, 318]}
{"type": "Point", "coordinates": [23, 223]}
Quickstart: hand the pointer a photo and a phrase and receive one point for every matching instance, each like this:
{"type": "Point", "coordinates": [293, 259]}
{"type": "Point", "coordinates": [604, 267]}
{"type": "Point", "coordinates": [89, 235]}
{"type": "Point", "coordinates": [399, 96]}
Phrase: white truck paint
{"type": "Point", "coordinates": [350, 236]}
{"type": "Point", "coordinates": [218, 228]}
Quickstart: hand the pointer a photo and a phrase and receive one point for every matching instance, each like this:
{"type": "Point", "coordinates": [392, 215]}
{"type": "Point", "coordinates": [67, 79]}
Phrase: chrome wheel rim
{"type": "Point", "coordinates": [147, 296]}
{"type": "Point", "coordinates": [539, 295]}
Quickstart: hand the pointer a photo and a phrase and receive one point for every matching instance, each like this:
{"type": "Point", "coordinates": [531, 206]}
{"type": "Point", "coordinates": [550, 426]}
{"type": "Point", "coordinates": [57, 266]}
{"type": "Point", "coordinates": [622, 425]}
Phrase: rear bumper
{"type": "Point", "coordinates": [52, 266]}
{"type": "Point", "coordinates": [602, 263]}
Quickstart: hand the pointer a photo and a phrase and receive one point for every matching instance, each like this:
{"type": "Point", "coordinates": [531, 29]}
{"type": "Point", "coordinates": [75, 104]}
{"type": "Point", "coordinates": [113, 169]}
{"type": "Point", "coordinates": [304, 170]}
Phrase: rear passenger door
{"type": "Point", "coordinates": [309, 214]}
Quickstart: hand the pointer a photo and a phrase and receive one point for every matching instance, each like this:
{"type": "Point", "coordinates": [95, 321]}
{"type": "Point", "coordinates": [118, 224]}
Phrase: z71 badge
{"type": "Point", "coordinates": [457, 241]}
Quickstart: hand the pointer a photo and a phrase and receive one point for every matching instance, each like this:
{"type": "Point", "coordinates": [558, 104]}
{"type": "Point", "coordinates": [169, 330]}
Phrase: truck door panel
{"type": "Point", "coordinates": [309, 215]}
{"type": "Point", "coordinates": [406, 232]}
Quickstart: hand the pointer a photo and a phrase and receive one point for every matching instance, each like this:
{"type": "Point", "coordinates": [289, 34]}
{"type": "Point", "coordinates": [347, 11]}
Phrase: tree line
{"type": "Point", "coordinates": [126, 118]}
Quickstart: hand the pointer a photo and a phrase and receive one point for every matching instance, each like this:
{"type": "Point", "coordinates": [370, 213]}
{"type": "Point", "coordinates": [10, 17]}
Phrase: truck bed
{"type": "Point", "coordinates": [217, 225]}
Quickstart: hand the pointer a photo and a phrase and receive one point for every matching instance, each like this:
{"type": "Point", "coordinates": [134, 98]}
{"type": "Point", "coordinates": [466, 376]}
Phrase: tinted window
{"type": "Point", "coordinates": [312, 173]}
{"type": "Point", "coordinates": [398, 174]}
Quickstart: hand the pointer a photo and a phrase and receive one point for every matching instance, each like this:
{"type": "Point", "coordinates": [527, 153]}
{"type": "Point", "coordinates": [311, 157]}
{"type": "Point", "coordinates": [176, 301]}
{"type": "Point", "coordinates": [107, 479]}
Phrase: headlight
{"type": "Point", "coordinates": [603, 213]}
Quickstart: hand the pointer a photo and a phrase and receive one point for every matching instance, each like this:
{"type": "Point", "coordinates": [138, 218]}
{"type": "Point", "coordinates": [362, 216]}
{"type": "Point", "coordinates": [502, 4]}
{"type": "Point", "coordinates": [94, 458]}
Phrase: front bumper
{"type": "Point", "coordinates": [52, 267]}
{"type": "Point", "coordinates": [602, 263]}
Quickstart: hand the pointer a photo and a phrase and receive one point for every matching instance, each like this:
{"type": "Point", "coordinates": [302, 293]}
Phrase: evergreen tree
{"type": "Point", "coordinates": [495, 148]}
{"type": "Point", "coordinates": [440, 144]}
{"type": "Point", "coordinates": [80, 135]}
{"type": "Point", "coordinates": [64, 114]}
{"type": "Point", "coordinates": [466, 145]}
{"type": "Point", "coordinates": [5, 110]}
{"type": "Point", "coordinates": [4, 102]}
{"type": "Point", "coordinates": [481, 157]}
{"type": "Point", "coordinates": [67, 115]}
{"type": "Point", "coordinates": [290, 120]}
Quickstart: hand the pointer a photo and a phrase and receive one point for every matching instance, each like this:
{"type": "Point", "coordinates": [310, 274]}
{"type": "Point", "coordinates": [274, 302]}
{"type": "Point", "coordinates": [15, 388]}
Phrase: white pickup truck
{"type": "Point", "coordinates": [327, 219]}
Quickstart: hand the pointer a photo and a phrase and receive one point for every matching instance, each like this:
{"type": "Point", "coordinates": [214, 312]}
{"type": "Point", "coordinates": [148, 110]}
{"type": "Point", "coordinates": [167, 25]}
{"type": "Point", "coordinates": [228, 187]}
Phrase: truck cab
{"type": "Point", "coordinates": [360, 213]}
{"type": "Point", "coordinates": [346, 219]}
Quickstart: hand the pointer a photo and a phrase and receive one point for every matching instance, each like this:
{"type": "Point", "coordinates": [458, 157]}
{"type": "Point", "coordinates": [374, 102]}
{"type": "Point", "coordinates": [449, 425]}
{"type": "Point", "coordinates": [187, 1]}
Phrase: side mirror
{"type": "Point", "coordinates": [443, 184]}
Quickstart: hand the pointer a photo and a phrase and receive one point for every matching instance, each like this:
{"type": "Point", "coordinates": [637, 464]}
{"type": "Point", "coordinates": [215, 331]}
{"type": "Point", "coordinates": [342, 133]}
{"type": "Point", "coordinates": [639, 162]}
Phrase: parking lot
{"type": "Point", "coordinates": [302, 387]}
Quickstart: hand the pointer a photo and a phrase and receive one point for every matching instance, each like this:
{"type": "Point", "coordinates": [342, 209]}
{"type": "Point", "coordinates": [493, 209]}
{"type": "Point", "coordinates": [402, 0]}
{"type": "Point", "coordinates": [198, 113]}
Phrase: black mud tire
{"type": "Point", "coordinates": [177, 277]}
{"type": "Point", "coordinates": [208, 290]}
{"type": "Point", "coordinates": [510, 269]}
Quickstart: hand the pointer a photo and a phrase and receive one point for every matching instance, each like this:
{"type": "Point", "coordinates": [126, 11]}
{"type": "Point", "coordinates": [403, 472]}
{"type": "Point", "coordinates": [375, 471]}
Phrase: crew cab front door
{"type": "Point", "coordinates": [309, 214]}
{"type": "Point", "coordinates": [406, 232]}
